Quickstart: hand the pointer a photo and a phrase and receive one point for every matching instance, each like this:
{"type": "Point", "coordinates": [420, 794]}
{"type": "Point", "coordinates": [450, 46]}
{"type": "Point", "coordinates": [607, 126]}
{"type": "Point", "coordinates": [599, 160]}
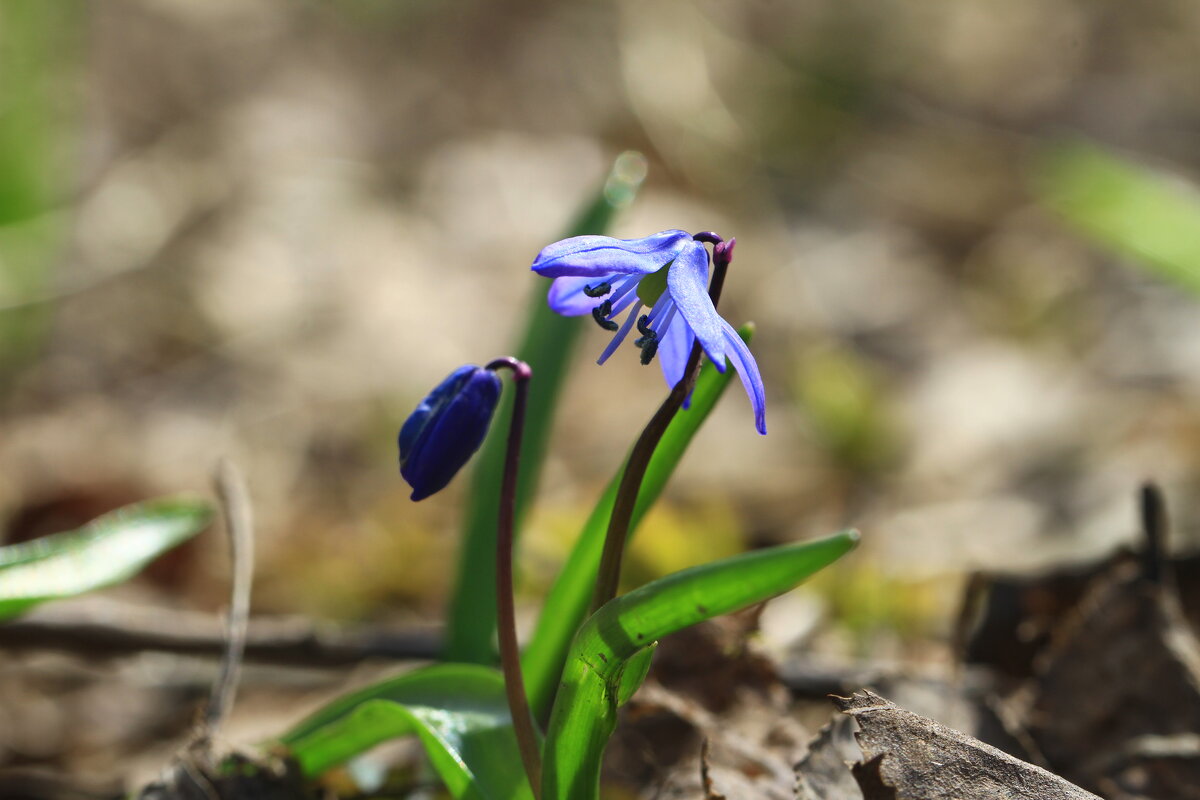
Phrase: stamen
{"type": "Point", "coordinates": [600, 314]}
{"type": "Point", "coordinates": [652, 326]}
{"type": "Point", "coordinates": [625, 292]}
{"type": "Point", "coordinates": [649, 349]}
{"type": "Point", "coordinates": [649, 337]}
{"type": "Point", "coordinates": [598, 291]}
{"type": "Point", "coordinates": [620, 335]}
{"type": "Point", "coordinates": [658, 310]}
{"type": "Point", "coordinates": [664, 321]}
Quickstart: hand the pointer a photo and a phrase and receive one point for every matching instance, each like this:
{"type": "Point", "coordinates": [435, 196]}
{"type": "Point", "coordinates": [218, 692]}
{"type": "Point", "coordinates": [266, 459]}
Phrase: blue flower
{"type": "Point", "coordinates": [447, 428]}
{"type": "Point", "coordinates": [667, 276]}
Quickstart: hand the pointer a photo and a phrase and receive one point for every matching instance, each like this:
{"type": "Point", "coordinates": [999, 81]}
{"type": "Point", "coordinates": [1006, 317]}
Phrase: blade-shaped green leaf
{"type": "Point", "coordinates": [1133, 210]}
{"type": "Point", "coordinates": [108, 550]}
{"type": "Point", "coordinates": [635, 672]}
{"type": "Point", "coordinates": [458, 711]}
{"type": "Point", "coordinates": [568, 600]}
{"type": "Point", "coordinates": [40, 52]}
{"type": "Point", "coordinates": [547, 345]}
{"type": "Point", "coordinates": [586, 707]}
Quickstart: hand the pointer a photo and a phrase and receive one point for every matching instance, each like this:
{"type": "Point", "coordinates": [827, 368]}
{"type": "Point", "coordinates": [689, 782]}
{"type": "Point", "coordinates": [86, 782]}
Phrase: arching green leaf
{"type": "Point", "coordinates": [108, 550]}
{"type": "Point", "coordinates": [458, 711]}
{"type": "Point", "coordinates": [585, 710]}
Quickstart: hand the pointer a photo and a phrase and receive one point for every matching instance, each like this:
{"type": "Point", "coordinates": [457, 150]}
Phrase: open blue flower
{"type": "Point", "coordinates": [446, 428]}
{"type": "Point", "coordinates": [667, 276]}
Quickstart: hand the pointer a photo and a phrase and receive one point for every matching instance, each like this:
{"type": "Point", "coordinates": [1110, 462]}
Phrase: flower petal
{"type": "Point", "coordinates": [620, 335]}
{"type": "Point", "coordinates": [428, 408]}
{"type": "Point", "coordinates": [452, 430]}
{"type": "Point", "coordinates": [625, 295]}
{"type": "Point", "coordinates": [566, 295]}
{"type": "Point", "coordinates": [598, 256]}
{"type": "Point", "coordinates": [747, 369]}
{"type": "Point", "coordinates": [674, 347]}
{"type": "Point", "coordinates": [687, 281]}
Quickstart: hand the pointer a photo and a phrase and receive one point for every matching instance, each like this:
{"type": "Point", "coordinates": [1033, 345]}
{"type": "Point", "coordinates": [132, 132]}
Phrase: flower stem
{"type": "Point", "coordinates": [609, 575]}
{"type": "Point", "coordinates": [506, 622]}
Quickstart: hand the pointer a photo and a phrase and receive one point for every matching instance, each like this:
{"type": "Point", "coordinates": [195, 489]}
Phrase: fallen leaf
{"type": "Point", "coordinates": [712, 719]}
{"type": "Point", "coordinates": [924, 760]}
{"type": "Point", "coordinates": [823, 773]}
{"type": "Point", "coordinates": [869, 776]}
{"type": "Point", "coordinates": [1125, 667]}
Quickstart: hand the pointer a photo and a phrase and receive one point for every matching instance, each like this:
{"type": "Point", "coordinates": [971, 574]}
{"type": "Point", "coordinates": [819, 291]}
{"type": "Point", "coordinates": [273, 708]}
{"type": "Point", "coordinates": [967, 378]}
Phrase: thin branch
{"type": "Point", "coordinates": [239, 527]}
{"type": "Point", "coordinates": [1153, 512]}
{"type": "Point", "coordinates": [109, 629]}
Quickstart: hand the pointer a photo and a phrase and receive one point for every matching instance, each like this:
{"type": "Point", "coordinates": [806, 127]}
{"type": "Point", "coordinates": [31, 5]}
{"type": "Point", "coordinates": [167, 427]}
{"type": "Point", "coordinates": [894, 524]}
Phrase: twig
{"type": "Point", "coordinates": [108, 628]}
{"type": "Point", "coordinates": [239, 527]}
{"type": "Point", "coordinates": [1153, 510]}
{"type": "Point", "coordinates": [706, 781]}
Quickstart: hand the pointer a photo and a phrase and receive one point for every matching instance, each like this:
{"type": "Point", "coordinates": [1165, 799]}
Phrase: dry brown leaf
{"type": "Point", "coordinates": [823, 773]}
{"type": "Point", "coordinates": [1126, 667]}
{"type": "Point", "coordinates": [708, 685]}
{"type": "Point", "coordinates": [925, 760]}
{"type": "Point", "coordinates": [1155, 767]}
{"type": "Point", "coordinates": [869, 777]}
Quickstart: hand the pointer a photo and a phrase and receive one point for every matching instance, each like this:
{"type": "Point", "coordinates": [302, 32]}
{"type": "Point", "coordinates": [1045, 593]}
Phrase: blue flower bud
{"type": "Point", "coordinates": [448, 426]}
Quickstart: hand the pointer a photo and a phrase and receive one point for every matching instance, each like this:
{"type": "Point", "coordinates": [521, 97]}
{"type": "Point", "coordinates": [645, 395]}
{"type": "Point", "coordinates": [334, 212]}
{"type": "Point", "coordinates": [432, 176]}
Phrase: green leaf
{"type": "Point", "coordinates": [585, 711]}
{"type": "Point", "coordinates": [1133, 210]}
{"type": "Point", "coordinates": [108, 550]}
{"type": "Point", "coordinates": [40, 52]}
{"type": "Point", "coordinates": [548, 344]}
{"type": "Point", "coordinates": [568, 600]}
{"type": "Point", "coordinates": [634, 674]}
{"type": "Point", "coordinates": [458, 711]}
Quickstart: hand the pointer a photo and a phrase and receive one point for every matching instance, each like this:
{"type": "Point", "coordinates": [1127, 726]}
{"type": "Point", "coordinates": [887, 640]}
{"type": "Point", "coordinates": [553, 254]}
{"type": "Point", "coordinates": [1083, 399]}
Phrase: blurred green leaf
{"type": "Point", "coordinates": [567, 603]}
{"type": "Point", "coordinates": [585, 711]}
{"type": "Point", "coordinates": [39, 52]}
{"type": "Point", "coordinates": [547, 345]}
{"type": "Point", "coordinates": [1133, 210]}
{"type": "Point", "coordinates": [458, 711]}
{"type": "Point", "coordinates": [845, 406]}
{"type": "Point", "coordinates": [109, 550]}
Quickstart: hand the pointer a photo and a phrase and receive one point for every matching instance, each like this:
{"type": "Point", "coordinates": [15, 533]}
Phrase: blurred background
{"type": "Point", "coordinates": [968, 233]}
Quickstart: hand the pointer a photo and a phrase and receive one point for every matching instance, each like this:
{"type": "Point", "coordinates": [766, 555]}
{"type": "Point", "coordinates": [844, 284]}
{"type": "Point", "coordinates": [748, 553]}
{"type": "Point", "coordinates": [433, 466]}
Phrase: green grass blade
{"type": "Point", "coordinates": [457, 711]}
{"type": "Point", "coordinates": [634, 674]}
{"type": "Point", "coordinates": [108, 550]}
{"type": "Point", "coordinates": [568, 600]}
{"type": "Point", "coordinates": [548, 344]}
{"type": "Point", "coordinates": [586, 707]}
{"type": "Point", "coordinates": [1150, 217]}
{"type": "Point", "coordinates": [41, 45]}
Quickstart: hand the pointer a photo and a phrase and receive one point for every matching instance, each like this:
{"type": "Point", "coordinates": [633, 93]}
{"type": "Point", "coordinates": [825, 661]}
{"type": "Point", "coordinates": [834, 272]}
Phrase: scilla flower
{"type": "Point", "coordinates": [666, 277]}
{"type": "Point", "coordinates": [447, 428]}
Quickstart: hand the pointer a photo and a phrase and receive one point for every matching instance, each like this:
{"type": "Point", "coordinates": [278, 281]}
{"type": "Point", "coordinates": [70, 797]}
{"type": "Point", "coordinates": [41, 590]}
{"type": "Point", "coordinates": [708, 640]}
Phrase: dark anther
{"type": "Point", "coordinates": [649, 341]}
{"type": "Point", "coordinates": [643, 325]}
{"type": "Point", "coordinates": [598, 291]}
{"type": "Point", "coordinates": [709, 237]}
{"type": "Point", "coordinates": [649, 348]}
{"type": "Point", "coordinates": [600, 314]}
